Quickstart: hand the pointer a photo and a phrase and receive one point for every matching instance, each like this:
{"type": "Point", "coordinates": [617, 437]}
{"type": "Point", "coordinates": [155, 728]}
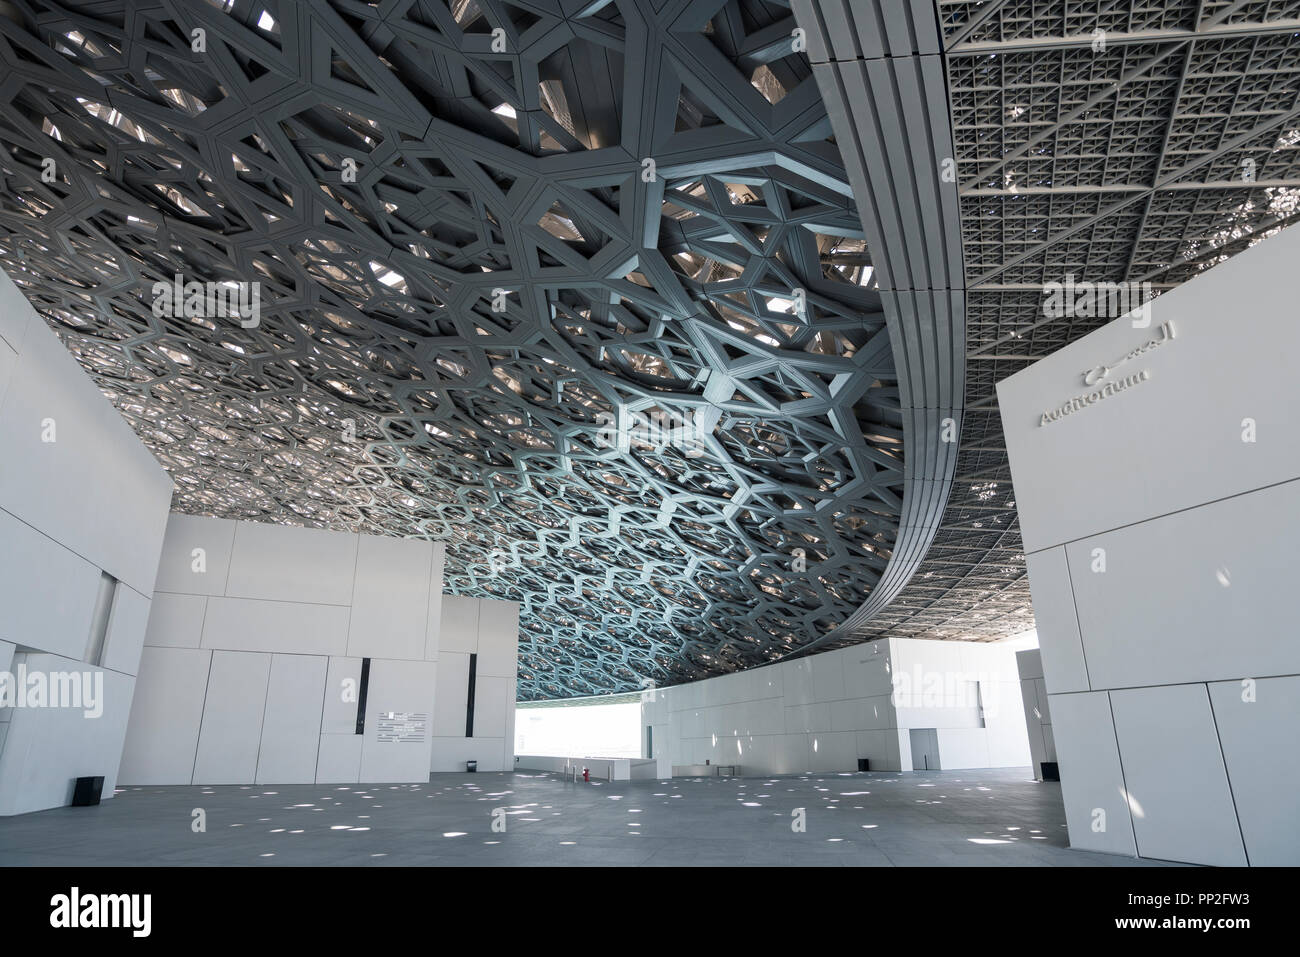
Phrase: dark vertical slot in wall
{"type": "Point", "coordinates": [469, 699]}
{"type": "Point", "coordinates": [361, 697]}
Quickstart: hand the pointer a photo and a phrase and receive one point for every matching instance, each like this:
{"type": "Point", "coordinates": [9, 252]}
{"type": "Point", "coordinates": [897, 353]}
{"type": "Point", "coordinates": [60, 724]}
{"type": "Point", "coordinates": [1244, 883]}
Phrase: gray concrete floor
{"type": "Point", "coordinates": [987, 817]}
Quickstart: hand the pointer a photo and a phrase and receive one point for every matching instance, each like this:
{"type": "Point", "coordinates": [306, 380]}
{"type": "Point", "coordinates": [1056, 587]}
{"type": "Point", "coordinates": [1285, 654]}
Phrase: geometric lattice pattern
{"type": "Point", "coordinates": [1139, 142]}
{"type": "Point", "coordinates": [482, 232]}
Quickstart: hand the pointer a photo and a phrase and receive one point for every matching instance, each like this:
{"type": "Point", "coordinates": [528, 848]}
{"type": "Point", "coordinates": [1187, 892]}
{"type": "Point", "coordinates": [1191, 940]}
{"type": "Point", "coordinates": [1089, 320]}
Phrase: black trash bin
{"type": "Point", "coordinates": [87, 791]}
{"type": "Point", "coordinates": [864, 764]}
{"type": "Point", "coordinates": [471, 765]}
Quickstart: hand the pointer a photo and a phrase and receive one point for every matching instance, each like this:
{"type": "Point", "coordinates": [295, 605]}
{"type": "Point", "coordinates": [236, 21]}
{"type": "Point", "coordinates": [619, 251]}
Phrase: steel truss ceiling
{"type": "Point", "coordinates": [381, 390]}
{"type": "Point", "coordinates": [1141, 141]}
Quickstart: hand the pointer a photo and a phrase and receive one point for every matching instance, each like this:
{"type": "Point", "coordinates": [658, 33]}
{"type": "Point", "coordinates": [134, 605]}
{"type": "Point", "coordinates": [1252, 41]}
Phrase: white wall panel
{"type": "Point", "coordinates": [1001, 702]}
{"type": "Point", "coordinates": [963, 748]}
{"type": "Point", "coordinates": [727, 689]}
{"type": "Point", "coordinates": [16, 313]}
{"type": "Point", "coordinates": [1091, 776]}
{"type": "Point", "coordinates": [490, 706]}
{"type": "Point", "coordinates": [912, 655]}
{"type": "Point", "coordinates": [1065, 667]}
{"type": "Point", "coordinates": [433, 619]}
{"type": "Point", "coordinates": [805, 718]}
{"type": "Point", "coordinates": [798, 682]}
{"type": "Point", "coordinates": [452, 695]}
{"type": "Point", "coordinates": [1034, 725]}
{"type": "Point", "coordinates": [232, 718]}
{"type": "Point", "coordinates": [867, 672]}
{"type": "Point", "coordinates": [1007, 738]}
{"type": "Point", "coordinates": [1029, 663]}
{"type": "Point", "coordinates": [1174, 772]}
{"type": "Point", "coordinates": [196, 555]}
{"type": "Point", "coordinates": [498, 638]}
{"type": "Point", "coordinates": [128, 621]}
{"type": "Point", "coordinates": [939, 716]}
{"type": "Point", "coordinates": [1049, 740]}
{"type": "Point", "coordinates": [166, 714]}
{"type": "Point", "coordinates": [759, 717]}
{"type": "Point", "coordinates": [1258, 737]}
{"type": "Point", "coordinates": [285, 563]}
{"type": "Point", "coordinates": [287, 627]}
{"type": "Point", "coordinates": [291, 721]}
{"type": "Point", "coordinates": [508, 740]}
{"type": "Point", "coordinates": [459, 627]}
{"type": "Point", "coordinates": [1044, 701]}
{"type": "Point", "coordinates": [857, 714]}
{"type": "Point", "coordinates": [833, 750]}
{"type": "Point", "coordinates": [46, 749]}
{"type": "Point", "coordinates": [450, 754]}
{"type": "Point", "coordinates": [1159, 613]}
{"type": "Point", "coordinates": [47, 592]}
{"type": "Point", "coordinates": [397, 686]}
{"type": "Point", "coordinates": [342, 687]}
{"type": "Point", "coordinates": [1171, 425]}
{"type": "Point", "coordinates": [793, 753]}
{"type": "Point", "coordinates": [756, 684]}
{"type": "Point", "coordinates": [339, 759]}
{"type": "Point", "coordinates": [8, 360]}
{"type": "Point", "coordinates": [176, 620]}
{"type": "Point", "coordinates": [114, 520]}
{"type": "Point", "coordinates": [828, 679]}
{"type": "Point", "coordinates": [390, 599]}
{"type": "Point", "coordinates": [904, 750]}
{"type": "Point", "coordinates": [880, 748]}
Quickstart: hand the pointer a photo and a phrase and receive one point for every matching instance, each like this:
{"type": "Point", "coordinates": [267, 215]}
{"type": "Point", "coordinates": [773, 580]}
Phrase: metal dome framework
{"type": "Point", "coordinates": [468, 272]}
{"type": "Point", "coordinates": [446, 335]}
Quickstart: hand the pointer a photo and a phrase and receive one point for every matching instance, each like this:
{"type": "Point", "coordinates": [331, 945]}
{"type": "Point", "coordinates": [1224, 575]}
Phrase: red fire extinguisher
{"type": "Point", "coordinates": [586, 774]}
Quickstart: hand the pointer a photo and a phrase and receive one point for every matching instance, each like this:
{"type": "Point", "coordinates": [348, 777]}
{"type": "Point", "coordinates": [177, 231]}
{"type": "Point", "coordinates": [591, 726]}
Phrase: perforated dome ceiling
{"type": "Point", "coordinates": [381, 392]}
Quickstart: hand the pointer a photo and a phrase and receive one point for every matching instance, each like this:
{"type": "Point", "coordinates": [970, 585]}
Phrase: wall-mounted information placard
{"type": "Point", "coordinates": [401, 727]}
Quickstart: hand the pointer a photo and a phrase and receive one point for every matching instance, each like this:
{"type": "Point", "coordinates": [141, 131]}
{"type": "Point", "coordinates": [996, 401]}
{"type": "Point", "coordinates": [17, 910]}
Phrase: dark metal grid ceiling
{"type": "Point", "coordinates": [1112, 155]}
{"type": "Point", "coordinates": [382, 393]}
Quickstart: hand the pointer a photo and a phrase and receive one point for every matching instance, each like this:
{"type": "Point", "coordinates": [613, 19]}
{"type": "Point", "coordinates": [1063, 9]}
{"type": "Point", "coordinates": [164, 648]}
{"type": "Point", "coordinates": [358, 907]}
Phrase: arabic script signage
{"type": "Point", "coordinates": [1105, 382]}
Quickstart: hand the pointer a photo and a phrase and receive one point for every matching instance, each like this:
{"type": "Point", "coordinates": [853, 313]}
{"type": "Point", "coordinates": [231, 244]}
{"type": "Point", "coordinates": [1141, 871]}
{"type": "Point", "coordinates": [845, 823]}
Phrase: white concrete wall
{"type": "Point", "coordinates": [80, 497]}
{"type": "Point", "coordinates": [824, 712]}
{"type": "Point", "coordinates": [489, 630]}
{"type": "Point", "coordinates": [1038, 713]}
{"type": "Point", "coordinates": [1161, 538]}
{"type": "Point", "coordinates": [970, 693]}
{"type": "Point", "coordinates": [819, 713]}
{"type": "Point", "coordinates": [253, 659]}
